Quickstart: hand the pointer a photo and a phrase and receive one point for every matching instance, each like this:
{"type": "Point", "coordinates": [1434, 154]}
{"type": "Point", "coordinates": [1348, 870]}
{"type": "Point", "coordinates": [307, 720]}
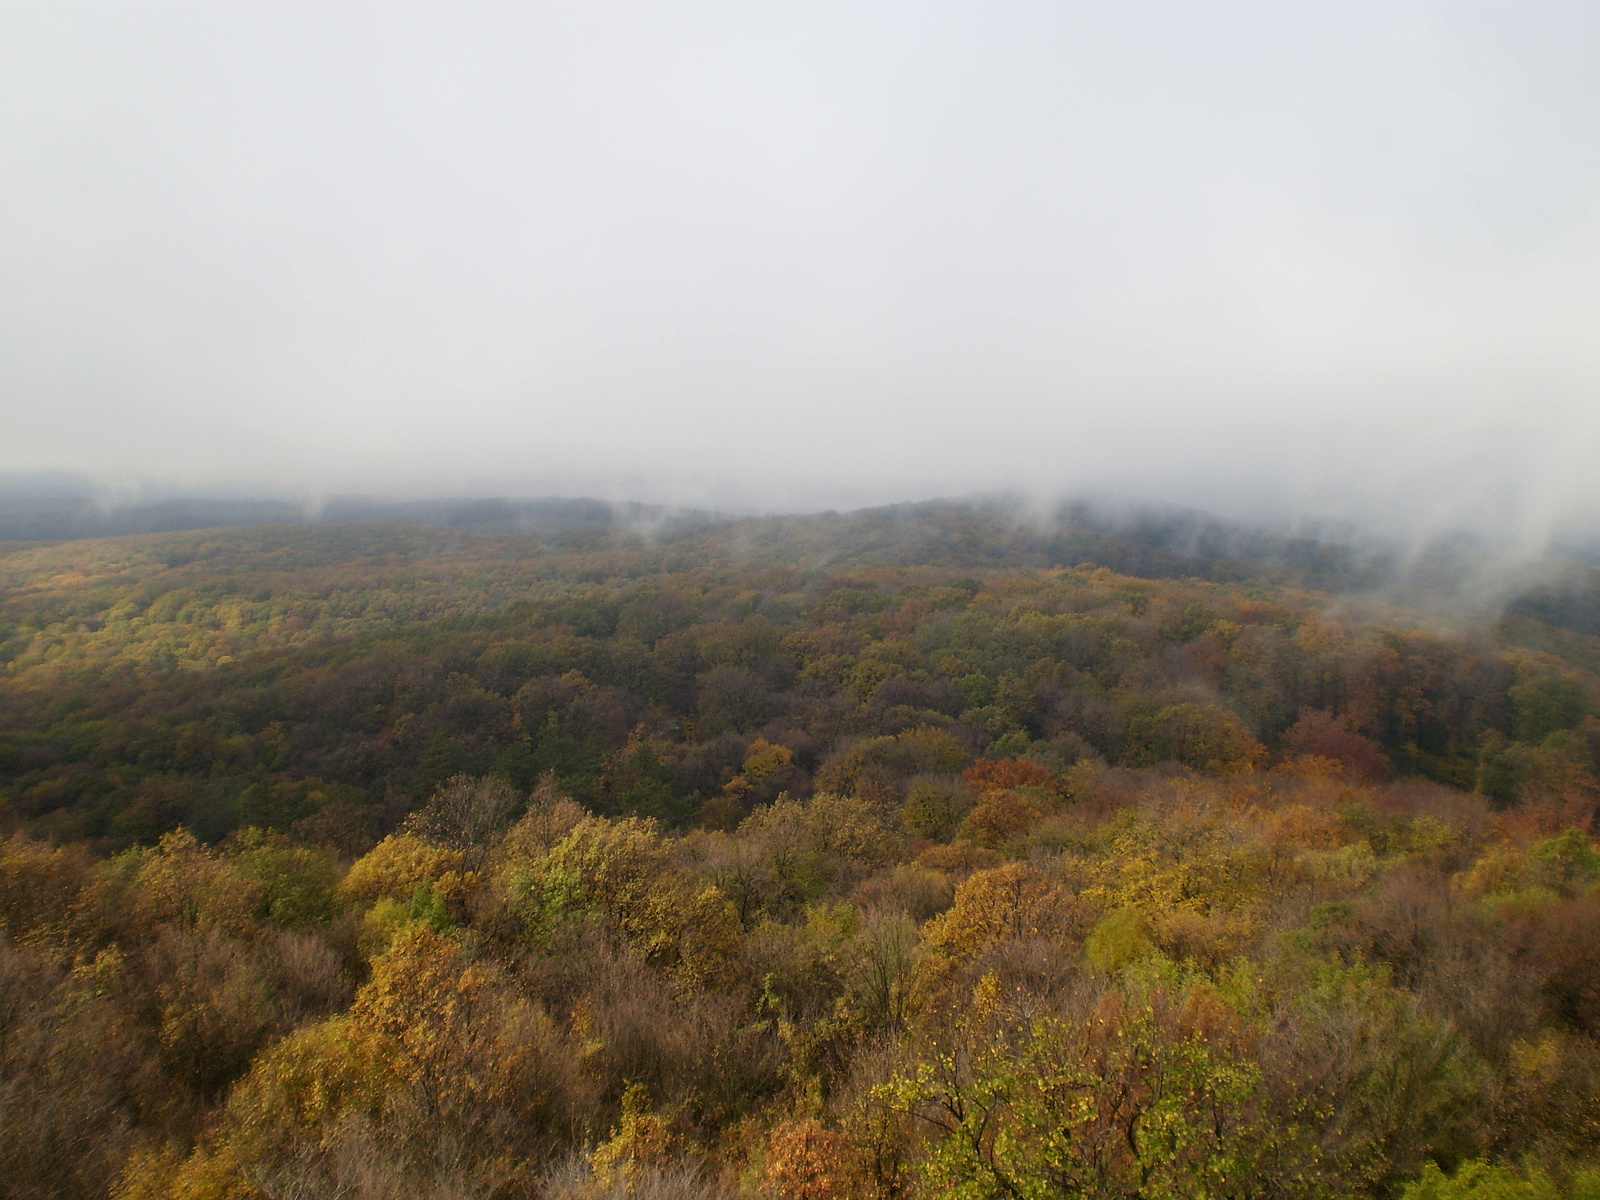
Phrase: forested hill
{"type": "Point", "coordinates": [917, 853]}
{"type": "Point", "coordinates": [326, 678]}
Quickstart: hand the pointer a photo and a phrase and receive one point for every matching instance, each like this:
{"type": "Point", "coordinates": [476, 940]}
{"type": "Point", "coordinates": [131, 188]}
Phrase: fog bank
{"type": "Point", "coordinates": [1283, 263]}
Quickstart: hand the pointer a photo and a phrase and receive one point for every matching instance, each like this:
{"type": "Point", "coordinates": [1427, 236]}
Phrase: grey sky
{"type": "Point", "coordinates": [1325, 258]}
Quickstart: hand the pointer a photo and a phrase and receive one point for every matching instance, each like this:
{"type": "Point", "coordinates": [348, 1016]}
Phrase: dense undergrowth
{"type": "Point", "coordinates": [354, 862]}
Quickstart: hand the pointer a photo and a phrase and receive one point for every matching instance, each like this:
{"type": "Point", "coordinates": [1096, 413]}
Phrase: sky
{"type": "Point", "coordinates": [1282, 259]}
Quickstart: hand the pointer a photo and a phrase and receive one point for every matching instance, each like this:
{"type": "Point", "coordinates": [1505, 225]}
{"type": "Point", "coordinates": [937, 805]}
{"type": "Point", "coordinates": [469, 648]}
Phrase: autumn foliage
{"type": "Point", "coordinates": [619, 870]}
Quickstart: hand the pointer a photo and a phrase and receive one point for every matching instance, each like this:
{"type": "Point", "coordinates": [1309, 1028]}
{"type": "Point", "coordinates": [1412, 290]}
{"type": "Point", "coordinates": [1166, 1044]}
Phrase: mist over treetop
{"type": "Point", "coordinates": [809, 257]}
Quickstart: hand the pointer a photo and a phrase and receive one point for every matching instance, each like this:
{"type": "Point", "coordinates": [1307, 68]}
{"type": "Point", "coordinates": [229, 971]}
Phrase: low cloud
{"type": "Point", "coordinates": [1290, 264]}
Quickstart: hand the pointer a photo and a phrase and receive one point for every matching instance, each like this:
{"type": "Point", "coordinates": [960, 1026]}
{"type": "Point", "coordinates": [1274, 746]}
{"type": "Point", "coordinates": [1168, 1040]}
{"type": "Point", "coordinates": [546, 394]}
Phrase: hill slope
{"type": "Point", "coordinates": [876, 855]}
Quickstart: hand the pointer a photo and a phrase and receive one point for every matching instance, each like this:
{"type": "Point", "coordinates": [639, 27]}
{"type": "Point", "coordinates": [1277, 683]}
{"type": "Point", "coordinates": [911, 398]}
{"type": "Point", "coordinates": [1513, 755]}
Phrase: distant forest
{"type": "Point", "coordinates": [577, 852]}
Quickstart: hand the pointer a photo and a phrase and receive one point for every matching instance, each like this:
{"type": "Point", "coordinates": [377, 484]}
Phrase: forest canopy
{"type": "Point", "coordinates": [881, 856]}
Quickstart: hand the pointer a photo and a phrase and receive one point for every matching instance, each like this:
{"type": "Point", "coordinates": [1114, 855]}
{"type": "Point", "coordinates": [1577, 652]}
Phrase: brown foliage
{"type": "Point", "coordinates": [1013, 901]}
{"type": "Point", "coordinates": [988, 776]}
{"type": "Point", "coordinates": [1319, 734]}
{"type": "Point", "coordinates": [1001, 815]}
{"type": "Point", "coordinates": [39, 888]}
{"type": "Point", "coordinates": [68, 1070]}
{"type": "Point", "coordinates": [213, 1006]}
{"type": "Point", "coordinates": [807, 1162]}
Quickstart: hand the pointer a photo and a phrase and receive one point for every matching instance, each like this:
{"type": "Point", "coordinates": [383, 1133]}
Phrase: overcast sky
{"type": "Point", "coordinates": [1329, 258]}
